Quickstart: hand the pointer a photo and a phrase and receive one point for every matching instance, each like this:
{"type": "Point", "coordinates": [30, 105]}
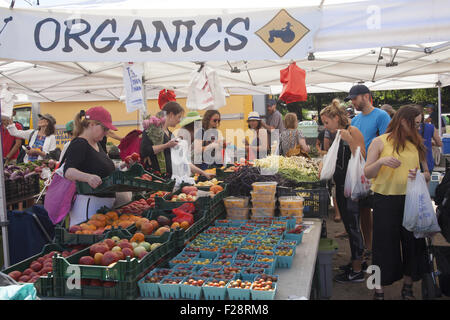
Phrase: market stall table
{"type": "Point", "coordinates": [297, 281]}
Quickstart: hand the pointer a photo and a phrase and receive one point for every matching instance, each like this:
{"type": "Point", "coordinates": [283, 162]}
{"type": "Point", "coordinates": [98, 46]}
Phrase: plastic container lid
{"type": "Point", "coordinates": [263, 204]}
{"type": "Point", "coordinates": [263, 196]}
{"type": "Point", "coordinates": [264, 184]}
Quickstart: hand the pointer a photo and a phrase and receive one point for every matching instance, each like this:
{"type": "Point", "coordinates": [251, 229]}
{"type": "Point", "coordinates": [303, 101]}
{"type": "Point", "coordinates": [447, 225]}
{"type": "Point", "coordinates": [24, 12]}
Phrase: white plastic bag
{"type": "Point", "coordinates": [205, 91]}
{"type": "Point", "coordinates": [356, 185]}
{"type": "Point", "coordinates": [181, 170]}
{"type": "Point", "coordinates": [329, 160]}
{"type": "Point", "coordinates": [6, 102]}
{"type": "Point", "coordinates": [419, 216]}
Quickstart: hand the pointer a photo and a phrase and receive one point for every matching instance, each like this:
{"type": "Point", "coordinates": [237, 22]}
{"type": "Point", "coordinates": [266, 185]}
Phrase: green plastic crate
{"type": "Point", "coordinates": [122, 290]}
{"type": "Point", "coordinates": [121, 181]}
{"type": "Point", "coordinates": [123, 270]}
{"type": "Point", "coordinates": [44, 285]}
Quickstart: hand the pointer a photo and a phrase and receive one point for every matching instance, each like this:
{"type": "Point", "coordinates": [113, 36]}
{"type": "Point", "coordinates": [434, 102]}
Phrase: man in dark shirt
{"type": "Point", "coordinates": [274, 119]}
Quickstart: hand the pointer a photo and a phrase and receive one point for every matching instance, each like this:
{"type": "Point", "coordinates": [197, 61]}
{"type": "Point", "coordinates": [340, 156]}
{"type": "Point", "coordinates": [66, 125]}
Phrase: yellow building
{"type": "Point", "coordinates": [233, 115]}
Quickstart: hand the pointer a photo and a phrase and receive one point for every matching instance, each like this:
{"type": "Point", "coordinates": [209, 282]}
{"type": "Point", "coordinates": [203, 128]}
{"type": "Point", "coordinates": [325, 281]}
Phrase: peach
{"type": "Point", "coordinates": [108, 258]}
{"type": "Point", "coordinates": [86, 260]}
{"type": "Point", "coordinates": [127, 252]}
{"type": "Point", "coordinates": [110, 243]}
{"type": "Point", "coordinates": [98, 258]}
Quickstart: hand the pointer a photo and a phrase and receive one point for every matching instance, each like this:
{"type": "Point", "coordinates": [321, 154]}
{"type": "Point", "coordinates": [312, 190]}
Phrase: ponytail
{"type": "Point", "coordinates": [80, 123]}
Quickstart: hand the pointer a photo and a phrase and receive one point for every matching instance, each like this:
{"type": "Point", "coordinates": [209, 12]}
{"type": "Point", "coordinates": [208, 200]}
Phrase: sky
{"type": "Point", "coordinates": [168, 4]}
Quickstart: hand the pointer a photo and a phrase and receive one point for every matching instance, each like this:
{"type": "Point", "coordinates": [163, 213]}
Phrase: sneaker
{"type": "Point", "coordinates": [348, 267]}
{"type": "Point", "coordinates": [349, 276]}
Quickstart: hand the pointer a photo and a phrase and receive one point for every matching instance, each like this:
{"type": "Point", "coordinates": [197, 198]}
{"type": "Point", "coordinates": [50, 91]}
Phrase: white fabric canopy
{"type": "Point", "coordinates": [386, 44]}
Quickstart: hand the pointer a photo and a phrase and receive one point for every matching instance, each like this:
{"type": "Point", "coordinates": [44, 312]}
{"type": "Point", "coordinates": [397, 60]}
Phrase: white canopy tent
{"type": "Point", "coordinates": [396, 44]}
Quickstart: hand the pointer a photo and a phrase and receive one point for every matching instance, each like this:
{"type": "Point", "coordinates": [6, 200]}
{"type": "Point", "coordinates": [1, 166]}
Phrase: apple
{"type": "Point", "coordinates": [146, 245]}
{"type": "Point", "coordinates": [139, 250]}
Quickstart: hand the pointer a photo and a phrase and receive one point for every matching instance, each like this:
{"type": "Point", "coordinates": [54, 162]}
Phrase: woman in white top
{"type": "Point", "coordinates": [41, 141]}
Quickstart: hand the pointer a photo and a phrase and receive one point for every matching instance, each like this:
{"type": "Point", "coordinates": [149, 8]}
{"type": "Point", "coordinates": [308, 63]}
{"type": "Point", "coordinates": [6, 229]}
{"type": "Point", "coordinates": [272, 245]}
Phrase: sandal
{"type": "Point", "coordinates": [337, 219]}
{"type": "Point", "coordinates": [407, 292]}
{"type": "Point", "coordinates": [378, 296]}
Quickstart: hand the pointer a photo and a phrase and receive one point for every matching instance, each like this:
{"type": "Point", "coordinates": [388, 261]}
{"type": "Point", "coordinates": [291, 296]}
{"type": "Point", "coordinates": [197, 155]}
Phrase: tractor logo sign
{"type": "Point", "coordinates": [5, 22]}
{"type": "Point", "coordinates": [282, 33]}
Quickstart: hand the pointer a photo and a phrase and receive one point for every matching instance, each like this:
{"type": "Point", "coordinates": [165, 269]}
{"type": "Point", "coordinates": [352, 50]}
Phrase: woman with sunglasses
{"type": "Point", "coordinates": [86, 161]}
{"type": "Point", "coordinates": [211, 140]}
{"type": "Point", "coordinates": [393, 158]}
{"type": "Point", "coordinates": [41, 141]}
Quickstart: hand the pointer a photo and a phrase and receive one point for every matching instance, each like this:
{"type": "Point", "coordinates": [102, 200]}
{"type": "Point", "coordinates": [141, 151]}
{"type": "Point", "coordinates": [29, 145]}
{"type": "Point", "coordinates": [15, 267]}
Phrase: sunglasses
{"type": "Point", "coordinates": [105, 129]}
{"type": "Point", "coordinates": [216, 120]}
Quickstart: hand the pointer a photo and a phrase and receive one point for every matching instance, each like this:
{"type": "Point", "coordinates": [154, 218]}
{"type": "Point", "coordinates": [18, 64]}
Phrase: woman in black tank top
{"type": "Point", "coordinates": [335, 118]}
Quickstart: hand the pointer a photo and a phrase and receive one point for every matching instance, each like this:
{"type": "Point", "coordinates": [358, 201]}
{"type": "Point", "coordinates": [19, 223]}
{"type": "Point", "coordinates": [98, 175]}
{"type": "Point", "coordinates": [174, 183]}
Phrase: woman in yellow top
{"type": "Point", "coordinates": [393, 158]}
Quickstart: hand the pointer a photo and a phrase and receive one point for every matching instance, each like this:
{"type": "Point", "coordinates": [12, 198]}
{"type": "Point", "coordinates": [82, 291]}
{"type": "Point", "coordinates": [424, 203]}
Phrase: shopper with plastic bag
{"type": "Point", "coordinates": [419, 215]}
{"type": "Point", "coordinates": [347, 141]}
{"type": "Point", "coordinates": [393, 158]}
{"type": "Point", "coordinates": [357, 186]}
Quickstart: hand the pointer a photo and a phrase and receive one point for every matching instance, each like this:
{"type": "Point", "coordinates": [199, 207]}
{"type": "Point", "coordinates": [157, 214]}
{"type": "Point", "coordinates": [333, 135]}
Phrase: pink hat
{"type": "Point", "coordinates": [102, 115]}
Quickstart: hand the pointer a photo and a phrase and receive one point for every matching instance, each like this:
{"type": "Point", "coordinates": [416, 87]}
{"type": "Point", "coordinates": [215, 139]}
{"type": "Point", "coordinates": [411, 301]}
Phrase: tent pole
{"type": "Point", "coordinates": [3, 212]}
{"type": "Point", "coordinates": [439, 84]}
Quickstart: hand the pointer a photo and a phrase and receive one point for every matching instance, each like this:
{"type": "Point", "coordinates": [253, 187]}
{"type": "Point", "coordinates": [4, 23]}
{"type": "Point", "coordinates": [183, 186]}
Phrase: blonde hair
{"type": "Point", "coordinates": [290, 121]}
{"type": "Point", "coordinates": [80, 124]}
{"type": "Point", "coordinates": [335, 109]}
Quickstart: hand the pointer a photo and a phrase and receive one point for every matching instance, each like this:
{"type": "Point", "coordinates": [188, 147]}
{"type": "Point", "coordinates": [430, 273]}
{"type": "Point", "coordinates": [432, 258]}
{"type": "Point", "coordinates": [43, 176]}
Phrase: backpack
{"type": "Point", "coordinates": [442, 188]}
{"type": "Point", "coordinates": [130, 144]}
{"type": "Point", "coordinates": [443, 211]}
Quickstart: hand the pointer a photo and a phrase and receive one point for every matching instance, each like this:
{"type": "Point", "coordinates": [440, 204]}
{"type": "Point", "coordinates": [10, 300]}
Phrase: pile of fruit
{"type": "Point", "coordinates": [100, 222]}
{"type": "Point", "coordinates": [109, 251]}
{"type": "Point", "coordinates": [263, 285]}
{"type": "Point", "coordinates": [188, 193]}
{"type": "Point", "coordinates": [139, 206]}
{"type": "Point", "coordinates": [40, 266]}
{"type": "Point", "coordinates": [208, 183]}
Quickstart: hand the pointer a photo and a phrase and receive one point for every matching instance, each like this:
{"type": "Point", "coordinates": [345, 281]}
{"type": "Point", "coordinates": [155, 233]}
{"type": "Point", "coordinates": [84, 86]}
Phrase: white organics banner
{"type": "Point", "coordinates": [132, 83]}
{"type": "Point", "coordinates": [85, 36]}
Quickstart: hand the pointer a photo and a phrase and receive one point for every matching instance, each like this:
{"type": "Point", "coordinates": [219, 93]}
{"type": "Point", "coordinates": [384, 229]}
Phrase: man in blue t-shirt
{"type": "Point", "coordinates": [372, 122]}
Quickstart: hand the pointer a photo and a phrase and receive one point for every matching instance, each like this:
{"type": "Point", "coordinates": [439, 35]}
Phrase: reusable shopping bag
{"type": "Point", "coordinates": [419, 216]}
{"type": "Point", "coordinates": [329, 160]}
{"type": "Point", "coordinates": [356, 185]}
{"type": "Point", "coordinates": [60, 197]}
{"type": "Point", "coordinates": [130, 144]}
